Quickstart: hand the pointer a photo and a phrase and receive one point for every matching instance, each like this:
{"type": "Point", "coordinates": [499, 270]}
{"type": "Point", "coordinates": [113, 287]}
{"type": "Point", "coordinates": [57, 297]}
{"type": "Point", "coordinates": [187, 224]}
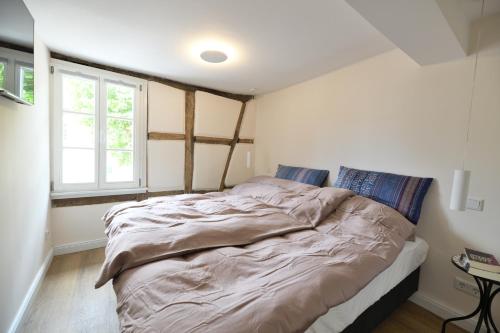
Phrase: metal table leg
{"type": "Point", "coordinates": [473, 313]}
{"type": "Point", "coordinates": [492, 296]}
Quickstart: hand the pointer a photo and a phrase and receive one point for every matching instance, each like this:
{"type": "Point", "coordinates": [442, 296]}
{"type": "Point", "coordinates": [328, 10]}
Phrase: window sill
{"type": "Point", "coordinates": [84, 198]}
{"type": "Point", "coordinates": [98, 193]}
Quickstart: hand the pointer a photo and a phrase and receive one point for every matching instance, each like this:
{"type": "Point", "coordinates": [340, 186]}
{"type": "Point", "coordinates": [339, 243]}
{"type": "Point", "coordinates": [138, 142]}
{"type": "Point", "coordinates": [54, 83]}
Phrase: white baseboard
{"type": "Point", "coordinates": [443, 311]}
{"type": "Point", "coordinates": [79, 246]}
{"type": "Point", "coordinates": [31, 293]}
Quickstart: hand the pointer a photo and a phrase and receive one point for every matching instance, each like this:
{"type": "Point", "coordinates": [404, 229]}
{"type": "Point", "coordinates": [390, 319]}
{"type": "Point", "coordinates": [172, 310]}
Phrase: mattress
{"type": "Point", "coordinates": [341, 316]}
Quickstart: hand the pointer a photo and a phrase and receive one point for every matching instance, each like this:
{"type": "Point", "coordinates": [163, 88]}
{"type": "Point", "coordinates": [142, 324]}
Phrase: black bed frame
{"type": "Point", "coordinates": [380, 310]}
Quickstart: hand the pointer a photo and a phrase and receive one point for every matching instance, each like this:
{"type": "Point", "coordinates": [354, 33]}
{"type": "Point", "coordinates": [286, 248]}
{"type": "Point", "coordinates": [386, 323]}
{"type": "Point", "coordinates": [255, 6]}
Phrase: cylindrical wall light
{"type": "Point", "coordinates": [249, 159]}
{"type": "Point", "coordinates": [459, 190]}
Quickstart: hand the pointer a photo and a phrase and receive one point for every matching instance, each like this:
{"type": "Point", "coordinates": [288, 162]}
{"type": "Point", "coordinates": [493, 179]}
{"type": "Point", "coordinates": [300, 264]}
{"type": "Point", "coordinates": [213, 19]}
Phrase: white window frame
{"type": "Point", "coordinates": [13, 59]}
{"type": "Point", "coordinates": [5, 62]}
{"type": "Point", "coordinates": [19, 65]}
{"type": "Point", "coordinates": [99, 186]}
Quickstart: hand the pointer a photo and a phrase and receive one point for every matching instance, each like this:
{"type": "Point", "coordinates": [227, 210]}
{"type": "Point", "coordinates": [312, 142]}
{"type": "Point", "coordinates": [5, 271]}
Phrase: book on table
{"type": "Point", "coordinates": [484, 274]}
{"type": "Point", "coordinates": [482, 260]}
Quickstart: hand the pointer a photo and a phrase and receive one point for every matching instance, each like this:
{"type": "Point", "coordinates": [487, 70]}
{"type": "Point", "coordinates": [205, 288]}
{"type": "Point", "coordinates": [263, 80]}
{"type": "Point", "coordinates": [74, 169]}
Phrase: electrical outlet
{"type": "Point", "coordinates": [475, 204]}
{"type": "Point", "coordinates": [466, 287]}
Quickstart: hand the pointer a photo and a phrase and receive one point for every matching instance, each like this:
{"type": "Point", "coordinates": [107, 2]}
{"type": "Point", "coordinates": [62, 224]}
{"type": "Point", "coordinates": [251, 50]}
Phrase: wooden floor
{"type": "Point", "coordinates": [67, 302]}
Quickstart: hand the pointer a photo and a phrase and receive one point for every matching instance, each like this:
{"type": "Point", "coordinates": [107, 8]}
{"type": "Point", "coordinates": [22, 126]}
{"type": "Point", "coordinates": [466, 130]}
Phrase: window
{"type": "Point", "coordinates": [26, 84]}
{"type": "Point", "coordinates": [3, 73]}
{"type": "Point", "coordinates": [98, 130]}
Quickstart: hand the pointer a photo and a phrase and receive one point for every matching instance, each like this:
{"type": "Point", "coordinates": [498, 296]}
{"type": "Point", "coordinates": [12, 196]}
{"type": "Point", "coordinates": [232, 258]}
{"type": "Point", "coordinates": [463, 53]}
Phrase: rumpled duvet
{"type": "Point", "coordinates": [270, 255]}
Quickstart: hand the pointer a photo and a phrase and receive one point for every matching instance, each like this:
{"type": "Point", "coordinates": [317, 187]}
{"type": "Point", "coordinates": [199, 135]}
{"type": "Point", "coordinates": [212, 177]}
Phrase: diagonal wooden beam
{"type": "Point", "coordinates": [233, 144]}
{"type": "Point", "coordinates": [189, 142]}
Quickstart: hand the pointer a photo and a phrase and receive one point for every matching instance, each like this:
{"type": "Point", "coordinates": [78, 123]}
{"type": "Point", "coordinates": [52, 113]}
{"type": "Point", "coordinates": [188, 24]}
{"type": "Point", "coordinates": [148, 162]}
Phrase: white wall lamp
{"type": "Point", "coordinates": [461, 177]}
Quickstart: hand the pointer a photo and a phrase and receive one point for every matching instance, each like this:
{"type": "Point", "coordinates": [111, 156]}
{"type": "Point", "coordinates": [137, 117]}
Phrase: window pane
{"type": "Point", "coordinates": [78, 130]}
{"type": "Point", "coordinates": [120, 100]}
{"type": "Point", "coordinates": [27, 84]}
{"type": "Point", "coordinates": [2, 75]}
{"type": "Point", "coordinates": [119, 134]}
{"type": "Point", "coordinates": [119, 166]}
{"type": "Point", "coordinates": [78, 166]}
{"type": "Point", "coordinates": [78, 94]}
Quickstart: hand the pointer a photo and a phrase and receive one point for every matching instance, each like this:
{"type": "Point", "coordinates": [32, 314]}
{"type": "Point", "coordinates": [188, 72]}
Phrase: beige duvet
{"type": "Point", "coordinates": [268, 256]}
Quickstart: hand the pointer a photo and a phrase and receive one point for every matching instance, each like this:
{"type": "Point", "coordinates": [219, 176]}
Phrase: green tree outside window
{"type": "Point", "coordinates": [27, 85]}
{"type": "Point", "coordinates": [2, 75]}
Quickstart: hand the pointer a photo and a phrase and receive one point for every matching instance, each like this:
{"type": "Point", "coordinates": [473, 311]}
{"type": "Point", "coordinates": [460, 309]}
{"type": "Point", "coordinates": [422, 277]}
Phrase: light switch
{"type": "Point", "coordinates": [475, 204]}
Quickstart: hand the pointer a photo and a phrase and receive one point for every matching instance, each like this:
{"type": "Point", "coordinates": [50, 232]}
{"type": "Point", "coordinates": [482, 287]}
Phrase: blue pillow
{"type": "Point", "coordinates": [302, 175]}
{"type": "Point", "coordinates": [403, 193]}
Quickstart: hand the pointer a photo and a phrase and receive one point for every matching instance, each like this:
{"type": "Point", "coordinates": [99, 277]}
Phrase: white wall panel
{"type": "Point", "coordinates": [239, 170]}
{"type": "Point", "coordinates": [215, 116]}
{"type": "Point", "coordinates": [165, 165]}
{"type": "Point", "coordinates": [209, 163]}
{"type": "Point", "coordinates": [389, 114]}
{"type": "Point", "coordinates": [248, 124]}
{"type": "Point", "coordinates": [165, 109]}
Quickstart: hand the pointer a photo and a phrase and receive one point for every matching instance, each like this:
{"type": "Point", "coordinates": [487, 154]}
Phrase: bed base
{"type": "Point", "coordinates": [380, 310]}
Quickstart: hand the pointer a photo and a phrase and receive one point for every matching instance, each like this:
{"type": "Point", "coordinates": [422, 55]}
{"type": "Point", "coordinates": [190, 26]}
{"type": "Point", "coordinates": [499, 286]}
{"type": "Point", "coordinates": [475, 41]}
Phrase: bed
{"type": "Point", "coordinates": [370, 306]}
{"type": "Point", "coordinates": [270, 255]}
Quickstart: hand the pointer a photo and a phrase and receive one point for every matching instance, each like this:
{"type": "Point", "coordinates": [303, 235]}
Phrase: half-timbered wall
{"type": "Point", "coordinates": [217, 125]}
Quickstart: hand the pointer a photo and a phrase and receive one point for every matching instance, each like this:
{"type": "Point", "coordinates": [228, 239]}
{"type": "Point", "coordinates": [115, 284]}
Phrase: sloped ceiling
{"type": "Point", "coordinates": [276, 42]}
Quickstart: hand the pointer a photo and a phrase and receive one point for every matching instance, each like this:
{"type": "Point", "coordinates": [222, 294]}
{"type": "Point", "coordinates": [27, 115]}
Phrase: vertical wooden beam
{"type": "Point", "coordinates": [233, 145]}
{"type": "Point", "coordinates": [189, 142]}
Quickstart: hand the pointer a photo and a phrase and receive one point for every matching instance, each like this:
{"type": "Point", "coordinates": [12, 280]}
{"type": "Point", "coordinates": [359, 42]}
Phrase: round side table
{"type": "Point", "coordinates": [487, 291]}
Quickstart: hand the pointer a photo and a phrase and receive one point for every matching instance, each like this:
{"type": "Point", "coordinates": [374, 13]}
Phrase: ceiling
{"type": "Point", "coordinates": [271, 44]}
{"type": "Point", "coordinates": [274, 43]}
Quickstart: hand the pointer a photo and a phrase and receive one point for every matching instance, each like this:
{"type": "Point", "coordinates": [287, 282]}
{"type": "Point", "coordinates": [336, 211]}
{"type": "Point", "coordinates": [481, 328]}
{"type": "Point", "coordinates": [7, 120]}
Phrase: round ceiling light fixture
{"type": "Point", "coordinates": [213, 56]}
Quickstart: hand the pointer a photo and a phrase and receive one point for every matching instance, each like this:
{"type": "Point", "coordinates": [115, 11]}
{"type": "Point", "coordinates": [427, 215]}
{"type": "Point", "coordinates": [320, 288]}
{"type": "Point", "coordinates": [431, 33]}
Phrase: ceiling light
{"type": "Point", "coordinates": [213, 56]}
{"type": "Point", "coordinates": [211, 51]}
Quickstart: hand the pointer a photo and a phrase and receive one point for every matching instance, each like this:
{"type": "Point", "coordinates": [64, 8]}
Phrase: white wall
{"type": "Point", "coordinates": [24, 191]}
{"type": "Point", "coordinates": [78, 224]}
{"type": "Point", "coordinates": [389, 114]}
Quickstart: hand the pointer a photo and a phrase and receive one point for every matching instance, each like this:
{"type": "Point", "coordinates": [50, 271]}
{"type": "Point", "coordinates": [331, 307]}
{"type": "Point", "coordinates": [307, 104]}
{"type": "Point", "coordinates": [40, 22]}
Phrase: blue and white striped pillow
{"type": "Point", "coordinates": [302, 175]}
{"type": "Point", "coordinates": [403, 193]}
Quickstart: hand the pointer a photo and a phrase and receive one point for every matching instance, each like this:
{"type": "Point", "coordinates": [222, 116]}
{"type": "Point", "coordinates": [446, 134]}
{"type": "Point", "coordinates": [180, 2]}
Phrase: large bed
{"type": "Point", "coordinates": [385, 292]}
{"type": "Point", "coordinates": [270, 255]}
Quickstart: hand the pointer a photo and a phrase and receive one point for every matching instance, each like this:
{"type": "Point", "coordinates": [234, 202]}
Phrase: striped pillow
{"type": "Point", "coordinates": [302, 175]}
{"type": "Point", "coordinates": [403, 193]}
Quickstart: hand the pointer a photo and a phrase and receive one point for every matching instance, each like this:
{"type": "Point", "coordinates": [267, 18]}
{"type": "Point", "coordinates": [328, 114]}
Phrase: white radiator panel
{"type": "Point", "coordinates": [215, 116]}
{"type": "Point", "coordinates": [165, 108]}
{"type": "Point", "coordinates": [241, 166]}
{"type": "Point", "coordinates": [209, 163]}
{"type": "Point", "coordinates": [165, 165]}
{"type": "Point", "coordinates": [247, 130]}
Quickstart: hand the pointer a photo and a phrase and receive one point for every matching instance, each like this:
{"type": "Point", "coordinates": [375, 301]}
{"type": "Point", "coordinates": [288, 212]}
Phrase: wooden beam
{"type": "Point", "coordinates": [233, 144]}
{"type": "Point", "coordinates": [189, 142]}
{"type": "Point", "coordinates": [16, 47]}
{"type": "Point", "coordinates": [164, 193]}
{"type": "Point", "coordinates": [168, 82]}
{"type": "Point", "coordinates": [211, 140]}
{"type": "Point", "coordinates": [97, 200]}
{"type": "Point", "coordinates": [165, 136]}
{"type": "Point", "coordinates": [84, 201]}
{"type": "Point", "coordinates": [197, 138]}
{"type": "Point", "coordinates": [245, 140]}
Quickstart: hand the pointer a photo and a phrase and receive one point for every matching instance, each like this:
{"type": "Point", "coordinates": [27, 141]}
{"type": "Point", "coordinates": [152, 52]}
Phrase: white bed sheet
{"type": "Point", "coordinates": [341, 316]}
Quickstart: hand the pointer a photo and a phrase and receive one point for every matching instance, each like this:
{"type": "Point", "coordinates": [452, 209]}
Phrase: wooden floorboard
{"type": "Point", "coordinates": [67, 302]}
